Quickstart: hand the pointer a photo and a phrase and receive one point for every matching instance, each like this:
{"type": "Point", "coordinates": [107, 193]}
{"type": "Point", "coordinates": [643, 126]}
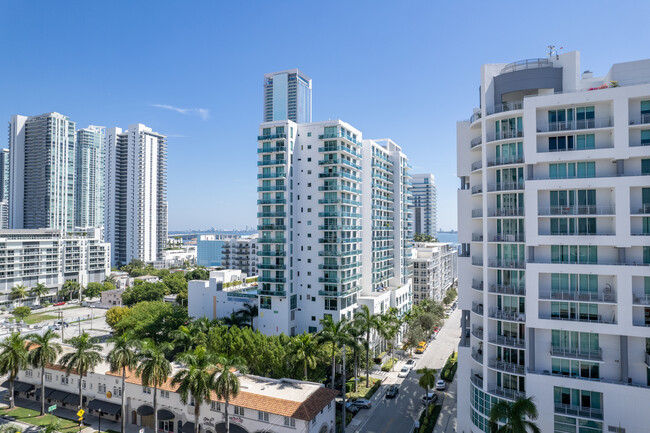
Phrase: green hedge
{"type": "Point", "coordinates": [251, 280]}
{"type": "Point", "coordinates": [449, 370]}
{"type": "Point", "coordinates": [428, 419]}
{"type": "Point", "coordinates": [388, 364]}
{"type": "Point", "coordinates": [231, 284]}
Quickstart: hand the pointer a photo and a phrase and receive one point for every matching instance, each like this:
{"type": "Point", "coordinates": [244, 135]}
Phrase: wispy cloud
{"type": "Point", "coordinates": [203, 113]}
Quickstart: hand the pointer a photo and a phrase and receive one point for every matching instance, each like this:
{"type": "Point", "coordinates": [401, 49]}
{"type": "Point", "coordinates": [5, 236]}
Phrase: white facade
{"type": "Point", "coordinates": [50, 257]}
{"type": "Point", "coordinates": [263, 404]}
{"type": "Point", "coordinates": [425, 204]}
{"type": "Point", "coordinates": [212, 300]}
{"type": "Point", "coordinates": [136, 193]}
{"type": "Point", "coordinates": [240, 253]}
{"type": "Point", "coordinates": [554, 275]}
{"type": "Point", "coordinates": [435, 270]}
{"type": "Point", "coordinates": [334, 220]}
{"type": "Point", "coordinates": [176, 257]}
{"type": "Point", "coordinates": [89, 177]}
{"type": "Point", "coordinates": [41, 198]}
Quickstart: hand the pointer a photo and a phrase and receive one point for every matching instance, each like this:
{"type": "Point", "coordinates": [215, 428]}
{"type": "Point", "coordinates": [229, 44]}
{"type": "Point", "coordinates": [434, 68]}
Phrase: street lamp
{"type": "Point", "coordinates": [99, 430]}
{"type": "Point", "coordinates": [92, 317]}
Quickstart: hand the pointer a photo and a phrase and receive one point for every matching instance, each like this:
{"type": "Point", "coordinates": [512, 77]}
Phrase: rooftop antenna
{"type": "Point", "coordinates": [551, 50]}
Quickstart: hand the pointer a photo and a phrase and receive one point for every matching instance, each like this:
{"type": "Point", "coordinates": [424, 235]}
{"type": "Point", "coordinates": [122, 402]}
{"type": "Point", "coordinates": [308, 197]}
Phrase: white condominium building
{"type": "Point", "coordinates": [287, 96]}
{"type": "Point", "coordinates": [334, 220]}
{"type": "Point", "coordinates": [4, 188]}
{"type": "Point", "coordinates": [50, 257]}
{"type": "Point", "coordinates": [240, 253]}
{"type": "Point", "coordinates": [135, 216]}
{"type": "Point", "coordinates": [42, 172]}
{"type": "Point", "coordinates": [89, 180]}
{"type": "Point", "coordinates": [425, 205]}
{"type": "Point", "coordinates": [554, 226]}
{"type": "Point", "coordinates": [435, 270]}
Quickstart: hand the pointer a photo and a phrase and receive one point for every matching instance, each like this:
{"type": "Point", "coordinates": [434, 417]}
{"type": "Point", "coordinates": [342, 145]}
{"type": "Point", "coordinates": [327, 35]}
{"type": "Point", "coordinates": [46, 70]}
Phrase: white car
{"type": "Point", "coordinates": [404, 372]}
{"type": "Point", "coordinates": [410, 364]}
{"type": "Point", "coordinates": [441, 385]}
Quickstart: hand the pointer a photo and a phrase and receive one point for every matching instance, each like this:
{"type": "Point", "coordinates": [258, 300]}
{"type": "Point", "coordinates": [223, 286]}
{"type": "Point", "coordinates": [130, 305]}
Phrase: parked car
{"type": "Point", "coordinates": [36, 307]}
{"type": "Point", "coordinates": [410, 364]}
{"type": "Point", "coordinates": [58, 304]}
{"type": "Point", "coordinates": [431, 397]}
{"type": "Point", "coordinates": [351, 408]}
{"type": "Point", "coordinates": [403, 372]}
{"type": "Point", "coordinates": [441, 385]}
{"type": "Point", "coordinates": [362, 403]}
{"type": "Point", "coordinates": [392, 391]}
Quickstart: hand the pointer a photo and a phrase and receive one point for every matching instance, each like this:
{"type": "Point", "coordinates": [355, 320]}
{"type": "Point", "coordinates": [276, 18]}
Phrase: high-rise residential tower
{"type": "Point", "coordinates": [554, 226]}
{"type": "Point", "coordinates": [425, 205]}
{"type": "Point", "coordinates": [89, 180]}
{"type": "Point", "coordinates": [4, 188]}
{"type": "Point", "coordinates": [135, 215]}
{"type": "Point", "coordinates": [334, 225]}
{"type": "Point", "coordinates": [42, 172]}
{"type": "Point", "coordinates": [287, 96]}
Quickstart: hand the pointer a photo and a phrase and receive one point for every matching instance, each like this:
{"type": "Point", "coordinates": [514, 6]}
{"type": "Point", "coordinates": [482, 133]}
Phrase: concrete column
{"type": "Point", "coordinates": [531, 349]}
{"type": "Point", "coordinates": [624, 359]}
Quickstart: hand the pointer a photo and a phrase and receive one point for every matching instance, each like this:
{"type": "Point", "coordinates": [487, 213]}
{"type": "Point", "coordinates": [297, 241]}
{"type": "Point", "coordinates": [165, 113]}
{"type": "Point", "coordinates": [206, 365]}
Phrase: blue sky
{"type": "Point", "coordinates": [407, 70]}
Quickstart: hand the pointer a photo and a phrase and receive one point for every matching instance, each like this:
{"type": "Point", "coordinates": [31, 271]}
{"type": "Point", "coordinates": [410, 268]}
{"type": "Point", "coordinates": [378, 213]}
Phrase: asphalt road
{"type": "Point", "coordinates": [399, 414]}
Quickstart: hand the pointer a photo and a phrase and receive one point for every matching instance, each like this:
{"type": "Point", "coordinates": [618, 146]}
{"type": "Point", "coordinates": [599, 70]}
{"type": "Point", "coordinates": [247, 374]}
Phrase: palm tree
{"type": "Point", "coordinates": [154, 369]}
{"type": "Point", "coordinates": [249, 312]}
{"type": "Point", "coordinates": [335, 334]}
{"type": "Point", "coordinates": [234, 319]}
{"type": "Point", "coordinates": [44, 351]}
{"type": "Point", "coordinates": [39, 291]}
{"type": "Point", "coordinates": [83, 359]}
{"type": "Point", "coordinates": [19, 291]}
{"type": "Point", "coordinates": [13, 358]}
{"type": "Point", "coordinates": [367, 322]}
{"type": "Point", "coordinates": [123, 355]}
{"type": "Point", "coordinates": [516, 416]}
{"type": "Point", "coordinates": [427, 381]}
{"type": "Point", "coordinates": [196, 379]}
{"type": "Point", "coordinates": [70, 289]}
{"type": "Point", "coordinates": [226, 382]}
{"type": "Point", "coordinates": [304, 348]}
{"type": "Point", "coordinates": [390, 327]}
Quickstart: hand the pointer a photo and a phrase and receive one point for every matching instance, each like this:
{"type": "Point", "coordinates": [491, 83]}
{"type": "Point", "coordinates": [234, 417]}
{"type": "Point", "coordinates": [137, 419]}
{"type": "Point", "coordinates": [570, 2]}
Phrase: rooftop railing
{"type": "Point", "coordinates": [521, 65]}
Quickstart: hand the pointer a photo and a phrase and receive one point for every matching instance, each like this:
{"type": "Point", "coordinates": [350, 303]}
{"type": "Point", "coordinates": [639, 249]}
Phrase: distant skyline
{"type": "Point", "coordinates": [407, 71]}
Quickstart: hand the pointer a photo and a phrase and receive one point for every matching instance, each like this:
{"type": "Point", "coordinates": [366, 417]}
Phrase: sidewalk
{"type": "Point", "coordinates": [447, 421]}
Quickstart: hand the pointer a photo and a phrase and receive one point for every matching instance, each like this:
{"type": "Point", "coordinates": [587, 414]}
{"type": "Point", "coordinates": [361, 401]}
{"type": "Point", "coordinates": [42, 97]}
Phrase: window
{"type": "Point", "coordinates": [192, 402]}
{"type": "Point", "coordinates": [263, 416]}
{"type": "Point", "coordinates": [290, 422]}
{"type": "Point", "coordinates": [239, 410]}
{"type": "Point", "coordinates": [164, 394]}
{"type": "Point", "coordinates": [101, 388]}
{"type": "Point", "coordinates": [215, 406]}
{"type": "Point", "coordinates": [265, 302]}
{"type": "Point", "coordinates": [64, 380]}
{"type": "Point", "coordinates": [48, 377]}
{"type": "Point", "coordinates": [145, 390]}
{"type": "Point", "coordinates": [645, 166]}
{"type": "Point", "coordinates": [313, 329]}
{"type": "Point", "coordinates": [28, 373]}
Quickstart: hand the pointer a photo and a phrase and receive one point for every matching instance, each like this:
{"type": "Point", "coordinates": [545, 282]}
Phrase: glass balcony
{"type": "Point", "coordinates": [272, 149]}
{"type": "Point", "coordinates": [339, 162]}
{"type": "Point", "coordinates": [272, 201]}
{"type": "Point", "coordinates": [272, 162]}
{"type": "Point", "coordinates": [271, 214]}
{"type": "Point", "coordinates": [338, 293]}
{"type": "Point", "coordinates": [271, 253]}
{"type": "Point", "coordinates": [338, 228]}
{"type": "Point", "coordinates": [339, 148]}
{"type": "Point", "coordinates": [271, 175]}
{"type": "Point", "coordinates": [575, 125]}
{"type": "Point", "coordinates": [338, 240]}
{"type": "Point", "coordinates": [507, 367]}
{"type": "Point", "coordinates": [339, 201]}
{"type": "Point", "coordinates": [335, 174]}
{"type": "Point", "coordinates": [339, 135]}
{"type": "Point", "coordinates": [507, 264]}
{"type": "Point", "coordinates": [577, 210]}
{"type": "Point", "coordinates": [518, 343]}
{"type": "Point", "coordinates": [595, 354]}
{"type": "Point", "coordinates": [339, 215]}
{"type": "Point", "coordinates": [271, 188]}
{"type": "Point", "coordinates": [272, 292]}
{"type": "Point", "coordinates": [339, 187]}
{"type": "Point", "coordinates": [504, 107]}
{"type": "Point", "coordinates": [512, 316]}
{"type": "Point", "coordinates": [336, 280]}
{"type": "Point", "coordinates": [272, 240]}
{"type": "Point", "coordinates": [271, 227]}
{"type": "Point", "coordinates": [609, 297]}
{"type": "Point", "coordinates": [583, 412]}
{"type": "Point", "coordinates": [328, 253]}
{"type": "Point", "coordinates": [475, 142]}
{"type": "Point", "coordinates": [271, 136]}
{"type": "Point", "coordinates": [506, 186]}
{"type": "Point", "coordinates": [336, 267]}
{"type": "Point", "coordinates": [507, 289]}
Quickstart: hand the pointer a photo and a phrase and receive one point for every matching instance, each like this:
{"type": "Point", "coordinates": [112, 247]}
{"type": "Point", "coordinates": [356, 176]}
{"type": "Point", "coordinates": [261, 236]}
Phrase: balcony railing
{"type": "Point", "coordinates": [272, 162]}
{"type": "Point", "coordinates": [507, 264]}
{"type": "Point", "coordinates": [521, 65]}
{"type": "Point", "coordinates": [641, 299]}
{"type": "Point", "coordinates": [507, 289]}
{"type": "Point", "coordinates": [508, 238]}
{"type": "Point", "coordinates": [643, 210]}
{"type": "Point", "coordinates": [474, 117]}
{"type": "Point", "coordinates": [477, 332]}
{"type": "Point", "coordinates": [339, 148]}
{"type": "Point", "coordinates": [647, 359]}
{"type": "Point", "coordinates": [519, 343]}
{"type": "Point", "coordinates": [579, 296]}
{"type": "Point", "coordinates": [272, 149]}
{"type": "Point", "coordinates": [476, 237]}
{"type": "Point", "coordinates": [505, 161]}
{"type": "Point", "coordinates": [477, 356]}
{"type": "Point", "coordinates": [477, 381]}
{"type": "Point", "coordinates": [476, 165]}
{"type": "Point", "coordinates": [272, 136]}
{"type": "Point", "coordinates": [507, 315]}
{"type": "Point", "coordinates": [477, 285]}
{"type": "Point", "coordinates": [507, 393]}
{"type": "Point", "coordinates": [271, 175]}
{"type": "Point", "coordinates": [508, 367]}
{"type": "Point", "coordinates": [577, 210]}
{"type": "Point", "coordinates": [505, 106]}
{"type": "Point", "coordinates": [506, 212]}
{"type": "Point", "coordinates": [573, 125]}
{"type": "Point", "coordinates": [339, 135]}
{"type": "Point", "coordinates": [506, 186]}
{"type": "Point", "coordinates": [477, 308]}
{"type": "Point", "coordinates": [583, 412]}
{"type": "Point", "coordinates": [505, 135]}
{"type": "Point", "coordinates": [598, 318]}
{"type": "Point", "coordinates": [477, 189]}
{"type": "Point", "coordinates": [477, 261]}
{"type": "Point", "coordinates": [475, 142]}
{"type": "Point", "coordinates": [577, 353]}
{"type": "Point", "coordinates": [477, 213]}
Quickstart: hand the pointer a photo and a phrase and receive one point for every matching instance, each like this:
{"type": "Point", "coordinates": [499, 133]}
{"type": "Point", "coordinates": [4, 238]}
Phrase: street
{"type": "Point", "coordinates": [399, 414]}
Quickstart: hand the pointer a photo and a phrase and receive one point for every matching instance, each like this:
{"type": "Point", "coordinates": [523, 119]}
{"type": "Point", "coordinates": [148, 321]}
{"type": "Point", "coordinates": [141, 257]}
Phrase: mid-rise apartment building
{"type": "Point", "coordinates": [435, 270]}
{"type": "Point", "coordinates": [42, 172]}
{"type": "Point", "coordinates": [50, 257]}
{"type": "Point", "coordinates": [425, 205]}
{"type": "Point", "coordinates": [554, 226]}
{"type": "Point", "coordinates": [334, 224]}
{"type": "Point", "coordinates": [287, 96]}
{"type": "Point", "coordinates": [4, 189]}
{"type": "Point", "coordinates": [209, 249]}
{"type": "Point", "coordinates": [89, 177]}
{"type": "Point", "coordinates": [135, 215]}
{"type": "Point", "coordinates": [241, 253]}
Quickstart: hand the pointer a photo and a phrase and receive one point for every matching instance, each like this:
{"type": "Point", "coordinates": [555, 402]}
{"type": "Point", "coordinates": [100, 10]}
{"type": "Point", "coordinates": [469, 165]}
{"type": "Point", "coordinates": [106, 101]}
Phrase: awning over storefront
{"type": "Point", "coordinates": [19, 386]}
{"type": "Point", "coordinates": [71, 399]}
{"type": "Point", "coordinates": [106, 407]}
{"type": "Point", "coordinates": [58, 395]}
{"type": "Point", "coordinates": [234, 428]}
{"type": "Point", "coordinates": [188, 427]}
{"type": "Point", "coordinates": [165, 415]}
{"type": "Point", "coordinates": [48, 391]}
{"type": "Point", "coordinates": [145, 410]}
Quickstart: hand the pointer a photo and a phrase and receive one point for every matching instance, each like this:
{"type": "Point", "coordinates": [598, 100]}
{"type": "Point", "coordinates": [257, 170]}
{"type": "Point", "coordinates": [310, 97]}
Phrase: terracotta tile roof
{"type": "Point", "coordinates": [305, 410]}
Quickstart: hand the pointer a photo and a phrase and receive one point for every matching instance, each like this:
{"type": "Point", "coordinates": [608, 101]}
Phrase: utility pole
{"type": "Point", "coordinates": [345, 413]}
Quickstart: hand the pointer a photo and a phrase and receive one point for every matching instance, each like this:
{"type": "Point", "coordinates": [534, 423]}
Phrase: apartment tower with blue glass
{"type": "Point", "coordinates": [425, 205]}
{"type": "Point", "coordinates": [89, 179]}
{"type": "Point", "coordinates": [287, 96]}
{"type": "Point", "coordinates": [554, 262]}
{"type": "Point", "coordinates": [42, 172]}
